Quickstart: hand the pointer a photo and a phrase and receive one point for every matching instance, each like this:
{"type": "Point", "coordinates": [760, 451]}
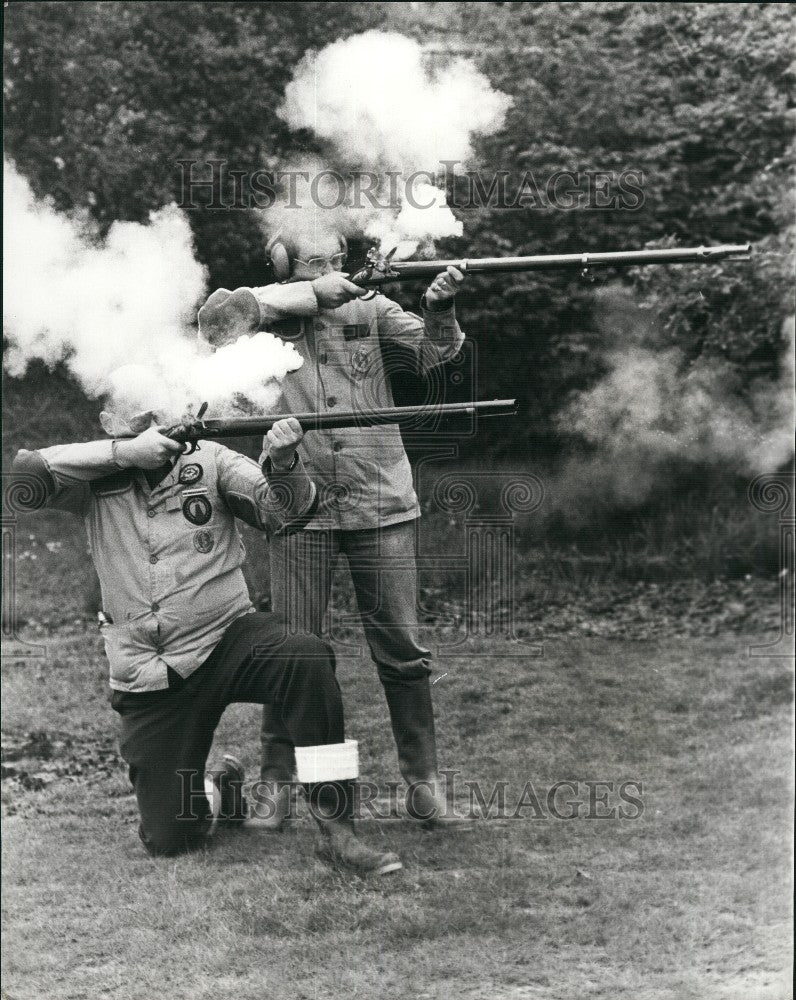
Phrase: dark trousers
{"type": "Point", "coordinates": [166, 735]}
{"type": "Point", "coordinates": [384, 573]}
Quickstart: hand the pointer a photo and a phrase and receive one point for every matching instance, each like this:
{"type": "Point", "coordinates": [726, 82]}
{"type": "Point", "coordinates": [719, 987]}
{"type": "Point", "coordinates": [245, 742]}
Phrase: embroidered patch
{"type": "Point", "coordinates": [360, 361]}
{"type": "Point", "coordinates": [191, 473]}
{"type": "Point", "coordinates": [196, 507]}
{"type": "Point", "coordinates": [203, 540]}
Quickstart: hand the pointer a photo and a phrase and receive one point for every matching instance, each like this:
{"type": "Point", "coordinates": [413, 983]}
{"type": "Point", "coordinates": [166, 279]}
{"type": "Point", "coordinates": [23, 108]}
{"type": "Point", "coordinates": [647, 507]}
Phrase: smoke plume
{"type": "Point", "coordinates": [651, 409]}
{"type": "Point", "coordinates": [127, 301]}
{"type": "Point", "coordinates": [424, 219]}
{"type": "Point", "coordinates": [379, 107]}
{"type": "Point", "coordinates": [373, 99]}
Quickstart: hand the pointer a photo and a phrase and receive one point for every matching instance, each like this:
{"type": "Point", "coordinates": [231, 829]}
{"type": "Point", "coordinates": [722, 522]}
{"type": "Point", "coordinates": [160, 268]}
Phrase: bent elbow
{"type": "Point", "coordinates": [228, 315]}
{"type": "Point", "coordinates": [30, 483]}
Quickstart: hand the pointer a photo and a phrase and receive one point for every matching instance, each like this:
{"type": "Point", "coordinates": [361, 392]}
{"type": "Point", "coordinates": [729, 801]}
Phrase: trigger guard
{"type": "Point", "coordinates": [371, 295]}
{"type": "Point", "coordinates": [192, 447]}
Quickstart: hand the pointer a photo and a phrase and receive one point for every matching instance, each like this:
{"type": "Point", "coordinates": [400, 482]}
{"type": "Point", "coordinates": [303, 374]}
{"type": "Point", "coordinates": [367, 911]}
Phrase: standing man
{"type": "Point", "coordinates": [368, 507]}
{"type": "Point", "coordinates": [181, 635]}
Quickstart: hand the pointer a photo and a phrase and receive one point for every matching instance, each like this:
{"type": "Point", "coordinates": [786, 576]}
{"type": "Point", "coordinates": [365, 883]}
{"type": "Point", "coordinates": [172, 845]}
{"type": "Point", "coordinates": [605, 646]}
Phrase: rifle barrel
{"type": "Point", "coordinates": [402, 415]}
{"type": "Point", "coordinates": [407, 269]}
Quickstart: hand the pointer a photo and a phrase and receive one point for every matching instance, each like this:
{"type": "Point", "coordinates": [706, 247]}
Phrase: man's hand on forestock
{"type": "Point", "coordinates": [281, 443]}
{"type": "Point", "coordinates": [334, 289]}
{"type": "Point", "coordinates": [150, 450]}
{"type": "Point", "coordinates": [442, 289]}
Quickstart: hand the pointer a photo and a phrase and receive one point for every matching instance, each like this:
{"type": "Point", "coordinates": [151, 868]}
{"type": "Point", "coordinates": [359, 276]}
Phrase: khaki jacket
{"type": "Point", "coordinates": [363, 475]}
{"type": "Point", "coordinates": [169, 558]}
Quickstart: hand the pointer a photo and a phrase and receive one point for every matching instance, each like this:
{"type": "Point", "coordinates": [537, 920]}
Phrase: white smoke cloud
{"type": "Point", "coordinates": [374, 100]}
{"type": "Point", "coordinates": [651, 408]}
{"type": "Point", "coordinates": [647, 405]}
{"type": "Point", "coordinates": [426, 217]}
{"type": "Point", "coordinates": [309, 206]}
{"type": "Point", "coordinates": [102, 302]}
{"type": "Point", "coordinates": [230, 380]}
{"type": "Point", "coordinates": [380, 108]}
{"type": "Point", "coordinates": [125, 302]}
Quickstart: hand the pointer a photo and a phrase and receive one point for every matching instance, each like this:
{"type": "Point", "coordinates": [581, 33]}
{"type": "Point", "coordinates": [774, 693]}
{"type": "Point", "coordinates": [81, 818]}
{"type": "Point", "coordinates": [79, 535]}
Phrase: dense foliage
{"type": "Point", "coordinates": [103, 100]}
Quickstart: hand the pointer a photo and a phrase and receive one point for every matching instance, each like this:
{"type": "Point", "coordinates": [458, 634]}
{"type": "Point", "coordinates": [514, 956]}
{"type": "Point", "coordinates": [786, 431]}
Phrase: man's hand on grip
{"type": "Point", "coordinates": [150, 450]}
{"type": "Point", "coordinates": [334, 289]}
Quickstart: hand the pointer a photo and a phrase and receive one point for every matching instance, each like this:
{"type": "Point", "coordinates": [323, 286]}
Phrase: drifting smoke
{"type": "Point", "coordinates": [372, 98]}
{"type": "Point", "coordinates": [426, 218]}
{"type": "Point", "coordinates": [102, 303]}
{"type": "Point", "coordinates": [379, 108]}
{"type": "Point", "coordinates": [126, 302]}
{"type": "Point", "coordinates": [651, 410]}
{"type": "Point", "coordinates": [309, 221]}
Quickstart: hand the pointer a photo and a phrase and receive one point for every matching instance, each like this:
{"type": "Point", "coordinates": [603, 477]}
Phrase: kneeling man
{"type": "Point", "coordinates": [181, 635]}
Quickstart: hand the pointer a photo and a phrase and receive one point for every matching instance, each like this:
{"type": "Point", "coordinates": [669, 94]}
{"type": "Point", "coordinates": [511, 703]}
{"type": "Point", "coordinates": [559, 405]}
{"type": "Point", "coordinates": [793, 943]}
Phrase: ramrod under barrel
{"type": "Point", "coordinates": [381, 270]}
{"type": "Point", "coordinates": [204, 430]}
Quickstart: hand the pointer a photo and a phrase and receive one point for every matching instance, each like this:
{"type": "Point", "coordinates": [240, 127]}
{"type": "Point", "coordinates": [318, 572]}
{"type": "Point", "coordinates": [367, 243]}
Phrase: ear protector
{"type": "Point", "coordinates": [282, 250]}
{"type": "Point", "coordinates": [279, 255]}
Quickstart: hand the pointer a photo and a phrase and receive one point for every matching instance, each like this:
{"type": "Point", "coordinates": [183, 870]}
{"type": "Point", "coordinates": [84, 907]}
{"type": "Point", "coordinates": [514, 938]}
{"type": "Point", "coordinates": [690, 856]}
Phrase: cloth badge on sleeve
{"type": "Point", "coordinates": [203, 540]}
{"type": "Point", "coordinates": [196, 506]}
{"type": "Point", "coordinates": [191, 473]}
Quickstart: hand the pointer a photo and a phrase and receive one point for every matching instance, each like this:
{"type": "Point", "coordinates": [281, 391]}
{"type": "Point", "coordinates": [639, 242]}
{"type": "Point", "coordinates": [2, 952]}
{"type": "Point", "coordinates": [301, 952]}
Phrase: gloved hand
{"type": "Point", "coordinates": [281, 443]}
{"type": "Point", "coordinates": [444, 287]}
{"type": "Point", "coordinates": [150, 450]}
{"type": "Point", "coordinates": [334, 289]}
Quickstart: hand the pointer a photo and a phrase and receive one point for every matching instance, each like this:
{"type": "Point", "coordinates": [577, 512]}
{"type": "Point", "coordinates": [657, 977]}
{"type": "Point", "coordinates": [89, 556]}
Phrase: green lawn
{"type": "Point", "coordinates": [692, 899]}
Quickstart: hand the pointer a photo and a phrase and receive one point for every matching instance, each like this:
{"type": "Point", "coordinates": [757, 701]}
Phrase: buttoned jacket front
{"type": "Point", "coordinates": [363, 474]}
{"type": "Point", "coordinates": [168, 558]}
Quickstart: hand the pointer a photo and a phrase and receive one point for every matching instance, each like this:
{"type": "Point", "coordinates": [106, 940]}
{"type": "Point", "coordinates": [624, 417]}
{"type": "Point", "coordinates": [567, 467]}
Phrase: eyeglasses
{"type": "Point", "coordinates": [336, 261]}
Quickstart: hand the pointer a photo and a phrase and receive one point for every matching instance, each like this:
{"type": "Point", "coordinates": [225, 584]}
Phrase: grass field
{"type": "Point", "coordinates": [691, 899]}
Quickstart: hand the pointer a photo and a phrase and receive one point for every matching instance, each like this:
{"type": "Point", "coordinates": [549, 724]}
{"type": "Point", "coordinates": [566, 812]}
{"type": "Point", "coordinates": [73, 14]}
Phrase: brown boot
{"type": "Point", "coordinates": [339, 846]}
{"type": "Point", "coordinates": [228, 778]}
{"type": "Point", "coordinates": [272, 799]}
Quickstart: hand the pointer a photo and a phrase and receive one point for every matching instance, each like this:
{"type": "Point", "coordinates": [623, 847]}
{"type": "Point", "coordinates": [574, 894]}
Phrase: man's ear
{"type": "Point", "coordinates": [112, 425]}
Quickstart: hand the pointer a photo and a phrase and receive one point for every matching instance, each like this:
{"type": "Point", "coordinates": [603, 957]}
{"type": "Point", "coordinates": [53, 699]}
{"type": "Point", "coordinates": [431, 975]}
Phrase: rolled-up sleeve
{"type": "Point", "coordinates": [276, 502]}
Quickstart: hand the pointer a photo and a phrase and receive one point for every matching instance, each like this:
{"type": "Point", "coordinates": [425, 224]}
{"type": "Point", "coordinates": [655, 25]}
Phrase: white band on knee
{"type": "Point", "coordinates": [328, 762]}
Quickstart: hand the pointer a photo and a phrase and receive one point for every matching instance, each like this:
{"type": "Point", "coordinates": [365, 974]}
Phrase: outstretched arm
{"type": "Point", "coordinates": [59, 476]}
{"type": "Point", "coordinates": [228, 315]}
